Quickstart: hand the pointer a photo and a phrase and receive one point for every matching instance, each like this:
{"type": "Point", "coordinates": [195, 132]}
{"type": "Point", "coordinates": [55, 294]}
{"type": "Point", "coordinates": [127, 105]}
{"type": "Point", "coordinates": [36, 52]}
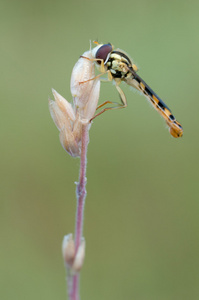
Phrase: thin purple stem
{"type": "Point", "coordinates": [81, 196]}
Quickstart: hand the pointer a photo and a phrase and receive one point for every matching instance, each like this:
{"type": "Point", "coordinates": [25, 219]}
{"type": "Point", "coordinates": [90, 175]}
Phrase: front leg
{"type": "Point", "coordinates": [102, 70]}
{"type": "Point", "coordinates": [102, 66]}
{"type": "Point", "coordinates": [123, 103]}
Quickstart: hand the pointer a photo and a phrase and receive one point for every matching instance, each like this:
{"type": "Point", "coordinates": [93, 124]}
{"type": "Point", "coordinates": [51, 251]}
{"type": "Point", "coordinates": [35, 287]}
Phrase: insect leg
{"type": "Point", "coordinates": [101, 74]}
{"type": "Point", "coordinates": [119, 105]}
{"type": "Point", "coordinates": [102, 67]}
{"type": "Point", "coordinates": [81, 82]}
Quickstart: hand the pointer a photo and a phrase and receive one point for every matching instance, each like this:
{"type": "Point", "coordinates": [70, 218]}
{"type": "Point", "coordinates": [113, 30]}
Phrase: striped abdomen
{"type": "Point", "coordinates": [136, 81]}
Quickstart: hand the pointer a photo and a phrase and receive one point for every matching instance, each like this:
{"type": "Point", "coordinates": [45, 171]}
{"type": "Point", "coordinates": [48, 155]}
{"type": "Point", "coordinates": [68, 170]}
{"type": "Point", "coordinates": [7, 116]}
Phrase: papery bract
{"type": "Point", "coordinates": [64, 118]}
{"type": "Point", "coordinates": [85, 88]}
{"type": "Point", "coordinates": [68, 249]}
{"type": "Point", "coordinates": [79, 257]}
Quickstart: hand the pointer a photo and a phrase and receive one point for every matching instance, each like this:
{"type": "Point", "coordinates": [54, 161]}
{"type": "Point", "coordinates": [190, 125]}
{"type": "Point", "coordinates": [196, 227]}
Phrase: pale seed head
{"type": "Point", "coordinates": [69, 119]}
{"type": "Point", "coordinates": [64, 118]}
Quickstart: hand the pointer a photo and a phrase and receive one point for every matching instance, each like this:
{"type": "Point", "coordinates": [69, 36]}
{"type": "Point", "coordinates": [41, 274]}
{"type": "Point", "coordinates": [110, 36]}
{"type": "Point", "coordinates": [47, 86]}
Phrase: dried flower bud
{"type": "Point", "coordinates": [64, 105]}
{"type": "Point", "coordinates": [83, 71]}
{"type": "Point", "coordinates": [84, 88]}
{"type": "Point", "coordinates": [73, 262]}
{"type": "Point", "coordinates": [68, 249]}
{"type": "Point", "coordinates": [69, 119]}
{"type": "Point", "coordinates": [64, 117]}
{"type": "Point", "coordinates": [79, 257]}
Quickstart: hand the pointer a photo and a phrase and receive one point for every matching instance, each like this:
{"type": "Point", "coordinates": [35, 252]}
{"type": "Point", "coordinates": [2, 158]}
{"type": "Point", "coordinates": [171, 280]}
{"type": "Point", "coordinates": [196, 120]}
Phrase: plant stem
{"type": "Point", "coordinates": [81, 196]}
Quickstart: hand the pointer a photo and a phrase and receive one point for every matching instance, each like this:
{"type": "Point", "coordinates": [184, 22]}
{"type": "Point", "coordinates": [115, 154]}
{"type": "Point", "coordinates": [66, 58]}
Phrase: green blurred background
{"type": "Point", "coordinates": [141, 215]}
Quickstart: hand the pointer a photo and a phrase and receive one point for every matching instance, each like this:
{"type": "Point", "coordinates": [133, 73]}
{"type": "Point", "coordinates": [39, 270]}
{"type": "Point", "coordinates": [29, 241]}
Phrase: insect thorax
{"type": "Point", "coordinates": [118, 64]}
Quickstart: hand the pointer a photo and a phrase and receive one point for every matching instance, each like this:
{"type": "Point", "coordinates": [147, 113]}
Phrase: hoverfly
{"type": "Point", "coordinates": [120, 68]}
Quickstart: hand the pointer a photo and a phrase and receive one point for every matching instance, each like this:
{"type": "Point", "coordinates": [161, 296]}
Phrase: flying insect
{"type": "Point", "coordinates": [120, 68]}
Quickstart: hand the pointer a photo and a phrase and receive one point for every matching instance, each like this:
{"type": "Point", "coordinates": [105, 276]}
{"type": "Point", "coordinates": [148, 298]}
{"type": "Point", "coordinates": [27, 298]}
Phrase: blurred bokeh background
{"type": "Point", "coordinates": [141, 216]}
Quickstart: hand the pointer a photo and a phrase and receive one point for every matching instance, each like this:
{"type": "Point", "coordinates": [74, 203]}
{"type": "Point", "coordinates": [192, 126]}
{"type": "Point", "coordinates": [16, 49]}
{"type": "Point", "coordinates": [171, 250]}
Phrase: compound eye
{"type": "Point", "coordinates": [103, 53]}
